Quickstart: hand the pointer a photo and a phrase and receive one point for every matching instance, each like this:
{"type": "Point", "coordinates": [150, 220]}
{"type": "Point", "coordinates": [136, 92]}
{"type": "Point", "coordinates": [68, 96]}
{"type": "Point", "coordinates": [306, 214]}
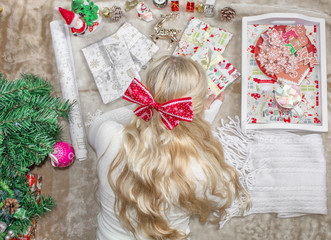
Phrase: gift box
{"type": "Point", "coordinates": [175, 6]}
{"type": "Point", "coordinates": [117, 59]}
{"type": "Point", "coordinates": [190, 6]}
{"type": "Point", "coordinates": [259, 108]}
{"type": "Point", "coordinates": [197, 33]}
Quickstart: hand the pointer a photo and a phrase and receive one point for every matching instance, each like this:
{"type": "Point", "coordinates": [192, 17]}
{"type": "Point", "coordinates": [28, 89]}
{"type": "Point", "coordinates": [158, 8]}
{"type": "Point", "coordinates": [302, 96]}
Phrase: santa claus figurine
{"type": "Point", "coordinates": [74, 21]}
{"type": "Point", "coordinates": [144, 12]}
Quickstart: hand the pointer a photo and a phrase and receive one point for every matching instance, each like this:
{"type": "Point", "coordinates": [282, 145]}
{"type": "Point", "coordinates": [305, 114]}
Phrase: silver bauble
{"type": "Point", "coordinates": [3, 226]}
{"type": "Point", "coordinates": [11, 233]}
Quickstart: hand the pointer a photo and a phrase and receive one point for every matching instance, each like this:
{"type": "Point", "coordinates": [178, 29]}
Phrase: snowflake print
{"type": "Point", "coordinates": [94, 63]}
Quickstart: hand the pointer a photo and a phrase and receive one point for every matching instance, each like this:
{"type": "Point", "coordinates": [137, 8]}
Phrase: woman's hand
{"type": "Point", "coordinates": [212, 98]}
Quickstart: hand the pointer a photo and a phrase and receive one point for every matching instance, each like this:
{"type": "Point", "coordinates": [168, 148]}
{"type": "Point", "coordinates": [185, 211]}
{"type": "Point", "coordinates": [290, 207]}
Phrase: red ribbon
{"type": "Point", "coordinates": [172, 112]}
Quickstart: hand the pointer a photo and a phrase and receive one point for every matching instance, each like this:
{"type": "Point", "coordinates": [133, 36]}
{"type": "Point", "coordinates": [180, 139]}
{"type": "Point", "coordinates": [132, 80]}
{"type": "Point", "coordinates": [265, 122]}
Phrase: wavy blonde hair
{"type": "Point", "coordinates": [154, 162]}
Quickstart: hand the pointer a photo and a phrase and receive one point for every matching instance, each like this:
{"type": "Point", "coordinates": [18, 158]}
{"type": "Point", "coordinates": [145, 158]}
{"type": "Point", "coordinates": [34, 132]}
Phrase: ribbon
{"type": "Point", "coordinates": [111, 53]}
{"type": "Point", "coordinates": [207, 62]}
{"type": "Point", "coordinates": [172, 112]}
{"type": "Point", "coordinates": [195, 41]}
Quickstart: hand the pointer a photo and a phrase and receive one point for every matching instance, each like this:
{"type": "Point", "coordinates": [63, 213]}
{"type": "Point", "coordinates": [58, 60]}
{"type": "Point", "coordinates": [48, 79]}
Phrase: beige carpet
{"type": "Point", "coordinates": [26, 46]}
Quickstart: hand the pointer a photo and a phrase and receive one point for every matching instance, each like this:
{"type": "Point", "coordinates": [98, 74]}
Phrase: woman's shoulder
{"type": "Point", "coordinates": [108, 125]}
{"type": "Point", "coordinates": [108, 132]}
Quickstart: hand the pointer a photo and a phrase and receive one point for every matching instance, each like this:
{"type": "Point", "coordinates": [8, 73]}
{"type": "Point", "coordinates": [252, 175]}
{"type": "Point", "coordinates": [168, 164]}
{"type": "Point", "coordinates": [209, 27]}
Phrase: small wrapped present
{"type": "Point", "coordinates": [221, 73]}
{"type": "Point", "coordinates": [197, 33]}
{"type": "Point", "coordinates": [116, 60]}
{"type": "Point", "coordinates": [35, 183]}
{"type": "Point", "coordinates": [174, 6]}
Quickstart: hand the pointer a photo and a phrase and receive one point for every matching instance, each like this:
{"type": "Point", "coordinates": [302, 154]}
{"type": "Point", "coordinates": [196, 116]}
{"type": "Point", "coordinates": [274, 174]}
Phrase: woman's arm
{"type": "Point", "coordinates": [212, 106]}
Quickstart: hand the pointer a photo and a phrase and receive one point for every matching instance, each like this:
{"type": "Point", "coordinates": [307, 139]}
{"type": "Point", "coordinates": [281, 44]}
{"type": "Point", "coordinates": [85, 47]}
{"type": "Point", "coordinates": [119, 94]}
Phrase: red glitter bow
{"type": "Point", "coordinates": [172, 112]}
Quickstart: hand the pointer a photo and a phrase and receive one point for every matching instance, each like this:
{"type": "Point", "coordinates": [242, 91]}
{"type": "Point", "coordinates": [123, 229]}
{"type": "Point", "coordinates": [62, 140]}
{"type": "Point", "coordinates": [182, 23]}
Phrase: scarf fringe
{"type": "Point", "coordinates": [236, 150]}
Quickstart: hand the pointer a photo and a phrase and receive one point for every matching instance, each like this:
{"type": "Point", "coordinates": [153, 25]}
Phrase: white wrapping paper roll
{"type": "Point", "coordinates": [66, 69]}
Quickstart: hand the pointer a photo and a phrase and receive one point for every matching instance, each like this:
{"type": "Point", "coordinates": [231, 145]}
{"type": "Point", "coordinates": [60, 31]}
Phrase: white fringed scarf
{"type": "Point", "coordinates": [284, 173]}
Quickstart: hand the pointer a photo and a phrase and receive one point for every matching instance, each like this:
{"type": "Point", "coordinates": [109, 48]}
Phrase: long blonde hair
{"type": "Point", "coordinates": [154, 162]}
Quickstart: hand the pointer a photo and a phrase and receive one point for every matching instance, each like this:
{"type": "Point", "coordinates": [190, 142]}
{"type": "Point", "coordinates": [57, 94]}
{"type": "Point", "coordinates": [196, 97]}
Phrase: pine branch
{"type": "Point", "coordinates": [29, 129]}
{"type": "Point", "coordinates": [28, 84]}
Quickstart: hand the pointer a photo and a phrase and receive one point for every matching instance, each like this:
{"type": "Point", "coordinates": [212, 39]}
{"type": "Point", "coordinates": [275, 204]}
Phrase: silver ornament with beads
{"type": "Point", "coordinates": [3, 226]}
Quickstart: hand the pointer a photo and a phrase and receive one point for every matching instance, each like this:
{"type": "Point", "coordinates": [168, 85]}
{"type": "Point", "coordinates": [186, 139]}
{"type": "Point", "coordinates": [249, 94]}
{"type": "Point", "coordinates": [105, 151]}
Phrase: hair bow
{"type": "Point", "coordinates": [172, 112]}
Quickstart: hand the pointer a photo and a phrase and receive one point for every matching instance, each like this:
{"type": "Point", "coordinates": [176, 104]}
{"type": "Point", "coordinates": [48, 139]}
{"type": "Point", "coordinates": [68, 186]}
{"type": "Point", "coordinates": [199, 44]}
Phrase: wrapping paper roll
{"type": "Point", "coordinates": [66, 69]}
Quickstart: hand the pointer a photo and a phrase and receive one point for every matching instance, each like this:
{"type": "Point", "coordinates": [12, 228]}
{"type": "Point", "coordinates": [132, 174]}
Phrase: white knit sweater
{"type": "Point", "coordinates": [105, 136]}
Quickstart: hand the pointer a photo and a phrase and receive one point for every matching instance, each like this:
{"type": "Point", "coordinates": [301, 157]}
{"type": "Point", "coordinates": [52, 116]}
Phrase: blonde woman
{"type": "Point", "coordinates": [153, 179]}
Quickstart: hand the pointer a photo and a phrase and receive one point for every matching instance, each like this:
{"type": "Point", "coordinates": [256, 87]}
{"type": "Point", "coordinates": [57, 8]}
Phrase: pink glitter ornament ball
{"type": "Point", "coordinates": [63, 155]}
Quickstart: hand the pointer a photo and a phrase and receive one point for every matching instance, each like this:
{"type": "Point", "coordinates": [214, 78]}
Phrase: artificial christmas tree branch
{"type": "Point", "coordinates": [29, 128]}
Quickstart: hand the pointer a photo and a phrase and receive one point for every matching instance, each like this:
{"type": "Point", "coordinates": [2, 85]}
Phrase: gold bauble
{"type": "Point", "coordinates": [200, 7]}
{"type": "Point", "coordinates": [105, 12]}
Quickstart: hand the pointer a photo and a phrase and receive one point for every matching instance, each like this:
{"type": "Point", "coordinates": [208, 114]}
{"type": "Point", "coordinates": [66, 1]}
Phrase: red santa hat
{"type": "Point", "coordinates": [143, 7]}
{"type": "Point", "coordinates": [69, 16]}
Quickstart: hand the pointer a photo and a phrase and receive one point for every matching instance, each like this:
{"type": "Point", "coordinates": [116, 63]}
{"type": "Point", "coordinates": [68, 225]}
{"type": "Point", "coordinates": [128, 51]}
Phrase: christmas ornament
{"type": "Point", "coordinates": [227, 14]}
{"type": "Point", "coordinates": [144, 12]}
{"type": "Point", "coordinates": [209, 8]}
{"type": "Point", "coordinates": [175, 6]}
{"type": "Point", "coordinates": [160, 3]}
{"type": "Point", "coordinates": [165, 33]}
{"type": "Point", "coordinates": [63, 155]}
{"type": "Point", "coordinates": [114, 13]}
{"type": "Point", "coordinates": [105, 12]}
{"type": "Point", "coordinates": [3, 226]}
{"type": "Point", "coordinates": [77, 25]}
{"type": "Point", "coordinates": [200, 8]}
{"type": "Point", "coordinates": [130, 4]}
{"type": "Point", "coordinates": [11, 233]}
{"type": "Point", "coordinates": [190, 6]}
{"type": "Point", "coordinates": [74, 21]}
{"type": "Point", "coordinates": [89, 13]}
{"type": "Point", "coordinates": [10, 205]}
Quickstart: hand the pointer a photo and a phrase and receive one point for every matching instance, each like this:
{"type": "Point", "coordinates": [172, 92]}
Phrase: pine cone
{"type": "Point", "coordinates": [227, 14]}
{"type": "Point", "coordinates": [116, 13]}
{"type": "Point", "coordinates": [10, 205]}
